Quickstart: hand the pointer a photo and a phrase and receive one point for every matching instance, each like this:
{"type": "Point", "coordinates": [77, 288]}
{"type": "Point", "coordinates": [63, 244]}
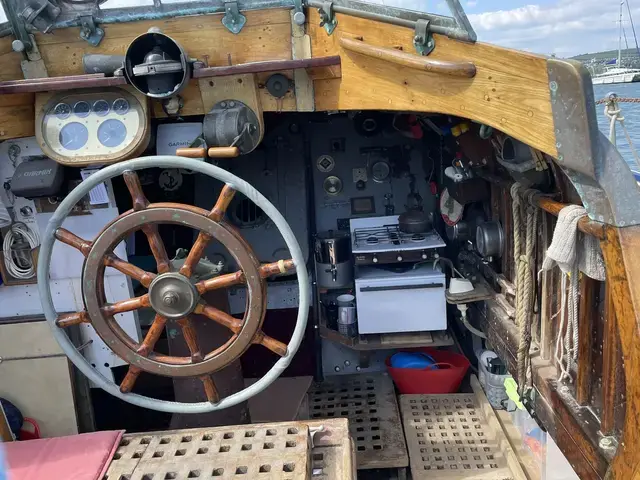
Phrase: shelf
{"type": "Point", "coordinates": [481, 291]}
{"type": "Point", "coordinates": [383, 341]}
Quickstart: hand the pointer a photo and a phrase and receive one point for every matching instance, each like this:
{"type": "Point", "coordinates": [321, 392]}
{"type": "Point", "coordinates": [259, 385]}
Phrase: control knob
{"type": "Point", "coordinates": [399, 258]}
{"type": "Point", "coordinates": [375, 259]}
{"type": "Point", "coordinates": [424, 256]}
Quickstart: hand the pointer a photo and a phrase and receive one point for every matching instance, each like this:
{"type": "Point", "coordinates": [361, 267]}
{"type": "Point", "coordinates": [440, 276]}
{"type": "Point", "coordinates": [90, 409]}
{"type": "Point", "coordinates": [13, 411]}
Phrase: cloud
{"type": "Point", "coordinates": [471, 3]}
{"type": "Point", "coordinates": [567, 27]}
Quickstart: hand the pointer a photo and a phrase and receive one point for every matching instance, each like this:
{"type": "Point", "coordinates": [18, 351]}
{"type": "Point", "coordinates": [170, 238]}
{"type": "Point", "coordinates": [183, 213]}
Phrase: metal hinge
{"type": "Point", "coordinates": [422, 39]}
{"type": "Point", "coordinates": [90, 32]}
{"type": "Point", "coordinates": [327, 17]}
{"type": "Point", "coordinates": [40, 15]}
{"type": "Point", "coordinates": [233, 19]}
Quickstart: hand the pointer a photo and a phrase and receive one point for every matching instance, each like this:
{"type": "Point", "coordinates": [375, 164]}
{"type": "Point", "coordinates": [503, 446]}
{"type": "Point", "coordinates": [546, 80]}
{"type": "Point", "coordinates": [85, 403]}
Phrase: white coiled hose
{"type": "Point", "coordinates": [18, 261]}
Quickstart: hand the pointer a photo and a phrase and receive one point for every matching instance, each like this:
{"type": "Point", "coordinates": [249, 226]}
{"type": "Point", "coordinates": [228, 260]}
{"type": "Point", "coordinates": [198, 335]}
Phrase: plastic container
{"type": "Point", "coordinates": [492, 384]}
{"type": "Point", "coordinates": [452, 368]}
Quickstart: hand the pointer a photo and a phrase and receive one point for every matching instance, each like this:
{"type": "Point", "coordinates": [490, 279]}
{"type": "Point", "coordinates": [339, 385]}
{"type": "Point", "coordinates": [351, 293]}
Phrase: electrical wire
{"type": "Point", "coordinates": [17, 245]}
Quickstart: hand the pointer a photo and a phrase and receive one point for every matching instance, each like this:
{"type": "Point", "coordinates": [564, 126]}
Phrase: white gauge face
{"type": "Point", "coordinates": [62, 111]}
{"type": "Point", "coordinates": [112, 132]}
{"type": "Point", "coordinates": [82, 109]}
{"type": "Point", "coordinates": [90, 126]}
{"type": "Point", "coordinates": [121, 106]}
{"type": "Point", "coordinates": [73, 136]}
{"type": "Point", "coordinates": [101, 108]}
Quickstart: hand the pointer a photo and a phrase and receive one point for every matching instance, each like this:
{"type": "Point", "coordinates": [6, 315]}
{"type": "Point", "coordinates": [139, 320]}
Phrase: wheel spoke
{"type": "Point", "coordinates": [110, 260]}
{"type": "Point", "coordinates": [221, 281]}
{"type": "Point", "coordinates": [189, 333]}
{"type": "Point", "coordinates": [195, 254]}
{"type": "Point", "coordinates": [220, 208]}
{"type": "Point", "coordinates": [144, 277]}
{"type": "Point", "coordinates": [140, 202]}
{"type": "Point", "coordinates": [71, 239]}
{"type": "Point", "coordinates": [210, 389]}
{"type": "Point", "coordinates": [150, 339]}
{"type": "Point", "coordinates": [126, 305]}
{"type": "Point", "coordinates": [69, 319]}
{"type": "Point", "coordinates": [271, 343]}
{"type": "Point", "coordinates": [132, 181]}
{"type": "Point", "coordinates": [157, 247]}
{"type": "Point", "coordinates": [276, 268]}
{"type": "Point", "coordinates": [223, 318]}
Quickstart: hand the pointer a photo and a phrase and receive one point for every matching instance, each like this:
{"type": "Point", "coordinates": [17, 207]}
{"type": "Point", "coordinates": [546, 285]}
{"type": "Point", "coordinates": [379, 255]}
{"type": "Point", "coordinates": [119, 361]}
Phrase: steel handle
{"type": "Point", "coordinates": [389, 288]}
{"type": "Point", "coordinates": [463, 69]}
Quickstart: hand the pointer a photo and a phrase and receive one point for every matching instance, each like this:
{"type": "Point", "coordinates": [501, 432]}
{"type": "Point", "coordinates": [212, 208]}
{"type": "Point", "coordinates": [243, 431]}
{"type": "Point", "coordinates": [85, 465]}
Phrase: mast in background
{"type": "Point", "coordinates": [619, 64]}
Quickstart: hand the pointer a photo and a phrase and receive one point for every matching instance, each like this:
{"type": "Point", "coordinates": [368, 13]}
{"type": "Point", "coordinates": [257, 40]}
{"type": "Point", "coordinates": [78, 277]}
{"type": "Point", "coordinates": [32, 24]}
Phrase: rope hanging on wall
{"type": "Point", "coordinates": [524, 241]}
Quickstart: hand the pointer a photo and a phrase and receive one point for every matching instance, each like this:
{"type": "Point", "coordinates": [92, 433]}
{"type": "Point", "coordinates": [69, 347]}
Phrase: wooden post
{"type": "Point", "coordinates": [586, 312]}
{"type": "Point", "coordinates": [610, 364]}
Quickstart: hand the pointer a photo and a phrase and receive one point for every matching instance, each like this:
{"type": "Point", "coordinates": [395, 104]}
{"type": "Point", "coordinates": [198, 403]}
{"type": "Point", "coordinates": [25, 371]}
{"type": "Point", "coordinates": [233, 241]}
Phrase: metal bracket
{"type": "Point", "coordinates": [89, 32]}
{"type": "Point", "coordinates": [233, 19]}
{"type": "Point", "coordinates": [22, 43]}
{"type": "Point", "coordinates": [422, 38]}
{"type": "Point", "coordinates": [327, 18]}
{"type": "Point", "coordinates": [298, 16]}
{"type": "Point", "coordinates": [40, 15]}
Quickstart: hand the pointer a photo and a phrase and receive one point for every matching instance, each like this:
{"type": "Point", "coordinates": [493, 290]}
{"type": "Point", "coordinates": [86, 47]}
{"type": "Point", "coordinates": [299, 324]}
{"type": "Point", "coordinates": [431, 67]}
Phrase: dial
{"type": "Point", "coordinates": [82, 109]}
{"type": "Point", "coordinates": [112, 132]}
{"type": "Point", "coordinates": [62, 111]}
{"type": "Point", "coordinates": [120, 106]}
{"type": "Point", "coordinates": [380, 171]}
{"type": "Point", "coordinates": [101, 108]}
{"type": "Point", "coordinates": [73, 136]}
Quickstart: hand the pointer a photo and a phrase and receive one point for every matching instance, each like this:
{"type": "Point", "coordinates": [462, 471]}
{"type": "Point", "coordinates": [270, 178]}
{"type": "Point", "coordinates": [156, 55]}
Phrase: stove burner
{"type": "Point", "coordinates": [394, 238]}
{"type": "Point", "coordinates": [372, 241]}
{"type": "Point", "coordinates": [417, 237]}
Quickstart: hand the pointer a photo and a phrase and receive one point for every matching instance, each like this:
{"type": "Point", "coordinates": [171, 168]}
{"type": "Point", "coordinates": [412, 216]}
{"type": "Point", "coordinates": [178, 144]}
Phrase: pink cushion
{"type": "Point", "coordinates": [77, 457]}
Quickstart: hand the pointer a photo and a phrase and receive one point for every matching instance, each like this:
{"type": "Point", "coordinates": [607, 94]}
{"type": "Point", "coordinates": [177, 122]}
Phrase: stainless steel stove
{"type": "Point", "coordinates": [378, 240]}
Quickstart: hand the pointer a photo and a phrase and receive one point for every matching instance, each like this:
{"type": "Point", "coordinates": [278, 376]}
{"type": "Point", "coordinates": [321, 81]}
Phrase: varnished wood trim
{"type": "Point", "coordinates": [586, 318]}
{"type": "Point", "coordinates": [425, 64]}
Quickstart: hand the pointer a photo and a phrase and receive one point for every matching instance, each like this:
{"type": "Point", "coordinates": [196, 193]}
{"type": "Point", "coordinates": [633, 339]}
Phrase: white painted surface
{"type": "Point", "coordinates": [66, 264]}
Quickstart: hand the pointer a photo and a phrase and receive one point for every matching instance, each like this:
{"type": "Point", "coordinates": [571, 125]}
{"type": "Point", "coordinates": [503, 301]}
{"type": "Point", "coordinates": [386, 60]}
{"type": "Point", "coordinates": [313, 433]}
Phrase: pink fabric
{"type": "Point", "coordinates": [77, 457]}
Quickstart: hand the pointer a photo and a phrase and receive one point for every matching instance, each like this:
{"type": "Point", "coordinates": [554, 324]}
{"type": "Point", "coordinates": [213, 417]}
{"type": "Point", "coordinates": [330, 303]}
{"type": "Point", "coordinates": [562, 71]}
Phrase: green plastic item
{"type": "Point", "coordinates": [511, 387]}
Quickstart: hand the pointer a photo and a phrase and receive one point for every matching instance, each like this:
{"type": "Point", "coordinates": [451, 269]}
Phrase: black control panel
{"type": "Point", "coordinates": [381, 258]}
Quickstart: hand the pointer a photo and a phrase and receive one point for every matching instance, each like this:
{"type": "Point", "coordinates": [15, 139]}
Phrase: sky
{"type": "Point", "coordinates": [561, 27]}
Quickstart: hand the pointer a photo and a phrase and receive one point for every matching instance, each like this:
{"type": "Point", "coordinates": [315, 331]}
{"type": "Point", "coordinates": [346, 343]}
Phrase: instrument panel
{"type": "Point", "coordinates": [92, 126]}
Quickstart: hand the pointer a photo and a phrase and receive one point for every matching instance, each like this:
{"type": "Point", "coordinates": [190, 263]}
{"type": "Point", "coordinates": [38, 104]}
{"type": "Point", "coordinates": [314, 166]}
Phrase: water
{"type": "Point", "coordinates": [631, 113]}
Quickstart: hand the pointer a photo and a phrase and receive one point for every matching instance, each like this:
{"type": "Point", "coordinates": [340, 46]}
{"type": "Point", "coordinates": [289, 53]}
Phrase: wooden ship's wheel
{"type": "Point", "coordinates": [173, 295]}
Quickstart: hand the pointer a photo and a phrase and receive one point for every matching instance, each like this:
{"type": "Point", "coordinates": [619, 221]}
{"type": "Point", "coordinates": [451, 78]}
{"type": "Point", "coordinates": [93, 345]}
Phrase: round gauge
{"type": "Point", "coordinates": [112, 132]}
{"type": "Point", "coordinates": [380, 171]}
{"type": "Point", "coordinates": [82, 109]}
{"type": "Point", "coordinates": [101, 108]}
{"type": "Point", "coordinates": [62, 111]}
{"type": "Point", "coordinates": [120, 106]}
{"type": "Point", "coordinates": [73, 136]}
{"type": "Point", "coordinates": [332, 185]}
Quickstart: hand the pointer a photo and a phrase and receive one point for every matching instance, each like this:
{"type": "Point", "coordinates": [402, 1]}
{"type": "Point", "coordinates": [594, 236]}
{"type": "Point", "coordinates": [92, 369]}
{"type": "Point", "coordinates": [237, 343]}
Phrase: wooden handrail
{"type": "Point", "coordinates": [462, 69]}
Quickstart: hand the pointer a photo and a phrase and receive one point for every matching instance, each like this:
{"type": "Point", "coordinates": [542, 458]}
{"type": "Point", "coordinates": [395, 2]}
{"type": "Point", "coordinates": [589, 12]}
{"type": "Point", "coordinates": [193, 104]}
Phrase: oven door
{"type": "Point", "coordinates": [386, 305]}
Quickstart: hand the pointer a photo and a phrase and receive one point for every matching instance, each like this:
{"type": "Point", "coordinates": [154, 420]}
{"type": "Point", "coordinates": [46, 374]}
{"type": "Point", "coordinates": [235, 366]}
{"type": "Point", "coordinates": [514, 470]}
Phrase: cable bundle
{"type": "Point", "coordinates": [18, 243]}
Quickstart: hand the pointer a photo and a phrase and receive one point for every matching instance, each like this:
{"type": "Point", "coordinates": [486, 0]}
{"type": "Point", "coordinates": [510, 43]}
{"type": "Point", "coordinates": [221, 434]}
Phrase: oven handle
{"type": "Point", "coordinates": [401, 287]}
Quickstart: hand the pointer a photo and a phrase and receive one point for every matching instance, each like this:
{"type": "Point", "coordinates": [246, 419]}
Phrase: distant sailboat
{"type": "Point", "coordinates": [618, 74]}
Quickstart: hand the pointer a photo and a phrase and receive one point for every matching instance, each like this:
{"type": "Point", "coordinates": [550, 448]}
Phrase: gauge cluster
{"type": "Point", "coordinates": [89, 127]}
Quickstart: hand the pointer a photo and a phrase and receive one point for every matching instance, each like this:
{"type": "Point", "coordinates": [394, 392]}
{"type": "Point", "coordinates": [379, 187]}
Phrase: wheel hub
{"type": "Point", "coordinates": [173, 295]}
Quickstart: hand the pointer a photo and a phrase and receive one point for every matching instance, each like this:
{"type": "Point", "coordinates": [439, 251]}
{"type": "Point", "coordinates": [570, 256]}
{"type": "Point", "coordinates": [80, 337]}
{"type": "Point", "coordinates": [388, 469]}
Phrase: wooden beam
{"type": "Point", "coordinates": [586, 314]}
{"type": "Point", "coordinates": [611, 374]}
{"type": "Point", "coordinates": [270, 66]}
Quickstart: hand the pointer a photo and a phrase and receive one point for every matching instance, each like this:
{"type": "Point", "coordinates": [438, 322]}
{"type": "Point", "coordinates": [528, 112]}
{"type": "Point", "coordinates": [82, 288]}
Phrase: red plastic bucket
{"type": "Point", "coordinates": [446, 379]}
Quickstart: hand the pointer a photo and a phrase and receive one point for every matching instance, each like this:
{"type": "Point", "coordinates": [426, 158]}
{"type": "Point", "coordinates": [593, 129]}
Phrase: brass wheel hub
{"type": "Point", "coordinates": [172, 295]}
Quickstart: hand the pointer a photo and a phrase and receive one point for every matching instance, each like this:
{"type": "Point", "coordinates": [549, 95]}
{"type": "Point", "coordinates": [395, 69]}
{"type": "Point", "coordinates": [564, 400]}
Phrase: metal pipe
{"type": "Point", "coordinates": [451, 32]}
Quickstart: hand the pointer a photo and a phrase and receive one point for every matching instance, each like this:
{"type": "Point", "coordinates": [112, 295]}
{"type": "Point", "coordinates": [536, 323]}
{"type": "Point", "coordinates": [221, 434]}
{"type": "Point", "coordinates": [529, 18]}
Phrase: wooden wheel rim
{"type": "Point", "coordinates": [117, 339]}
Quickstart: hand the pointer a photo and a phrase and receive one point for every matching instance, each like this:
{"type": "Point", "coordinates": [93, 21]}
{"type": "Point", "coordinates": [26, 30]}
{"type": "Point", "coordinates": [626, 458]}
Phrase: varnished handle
{"type": "Point", "coordinates": [191, 152]}
{"type": "Point", "coordinates": [213, 152]}
{"type": "Point", "coordinates": [223, 152]}
{"type": "Point", "coordinates": [453, 69]}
